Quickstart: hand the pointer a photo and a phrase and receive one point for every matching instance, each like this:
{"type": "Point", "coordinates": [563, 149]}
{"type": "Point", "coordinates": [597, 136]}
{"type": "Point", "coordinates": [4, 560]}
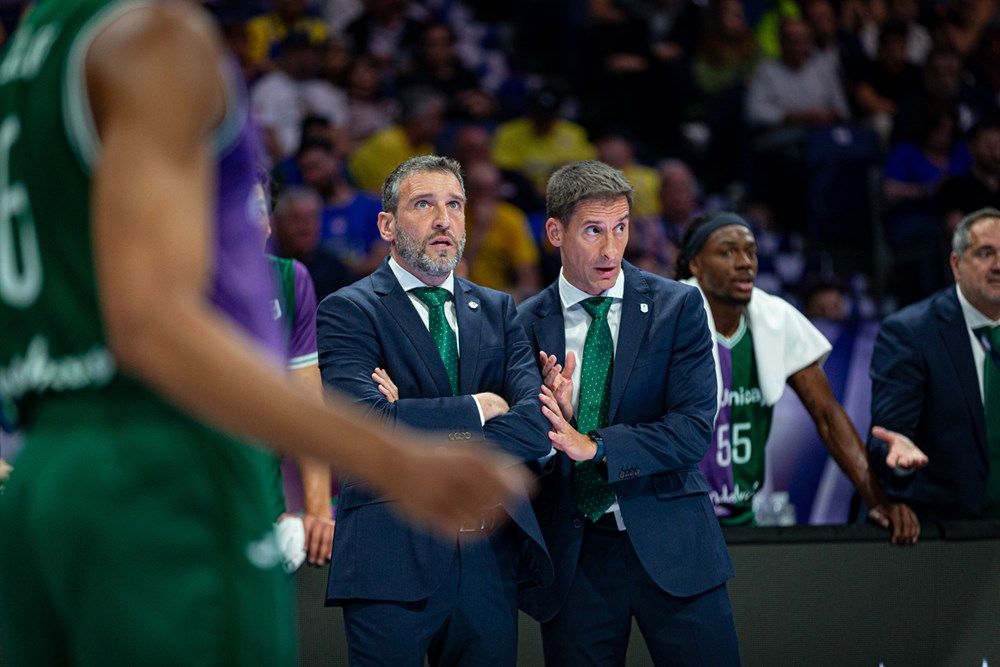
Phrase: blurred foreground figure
{"type": "Point", "coordinates": [135, 306]}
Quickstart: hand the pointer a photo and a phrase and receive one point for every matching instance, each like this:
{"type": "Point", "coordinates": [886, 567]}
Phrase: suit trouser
{"type": "Point", "coordinates": [611, 587]}
{"type": "Point", "coordinates": [471, 619]}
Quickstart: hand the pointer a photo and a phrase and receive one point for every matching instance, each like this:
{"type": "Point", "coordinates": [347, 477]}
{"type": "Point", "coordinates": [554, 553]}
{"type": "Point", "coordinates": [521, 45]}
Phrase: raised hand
{"type": "Point", "coordinates": [559, 380]}
{"type": "Point", "coordinates": [903, 453]}
{"type": "Point", "coordinates": [564, 437]}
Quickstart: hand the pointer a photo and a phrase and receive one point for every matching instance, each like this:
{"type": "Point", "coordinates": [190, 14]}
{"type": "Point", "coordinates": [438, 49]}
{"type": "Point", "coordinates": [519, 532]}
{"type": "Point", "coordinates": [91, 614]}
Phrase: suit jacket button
{"type": "Point", "coordinates": [578, 523]}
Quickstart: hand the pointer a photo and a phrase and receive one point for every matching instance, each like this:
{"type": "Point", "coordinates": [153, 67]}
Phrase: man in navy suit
{"type": "Point", "coordinates": [630, 394]}
{"type": "Point", "coordinates": [936, 378]}
{"type": "Point", "coordinates": [416, 345]}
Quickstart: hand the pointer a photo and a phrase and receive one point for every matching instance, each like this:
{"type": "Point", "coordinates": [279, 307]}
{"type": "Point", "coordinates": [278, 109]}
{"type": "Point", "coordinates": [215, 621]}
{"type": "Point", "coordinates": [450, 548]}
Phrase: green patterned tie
{"type": "Point", "coordinates": [591, 493]}
{"type": "Point", "coordinates": [441, 331]}
{"type": "Point", "coordinates": [991, 410]}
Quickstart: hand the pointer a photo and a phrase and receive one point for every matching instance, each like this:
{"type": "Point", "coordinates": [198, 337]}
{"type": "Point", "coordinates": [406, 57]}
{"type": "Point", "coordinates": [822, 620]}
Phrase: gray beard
{"type": "Point", "coordinates": [412, 251]}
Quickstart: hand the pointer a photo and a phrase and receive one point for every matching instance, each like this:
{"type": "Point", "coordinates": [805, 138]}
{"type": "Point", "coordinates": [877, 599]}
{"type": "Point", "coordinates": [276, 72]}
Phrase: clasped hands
{"type": "Point", "coordinates": [557, 406]}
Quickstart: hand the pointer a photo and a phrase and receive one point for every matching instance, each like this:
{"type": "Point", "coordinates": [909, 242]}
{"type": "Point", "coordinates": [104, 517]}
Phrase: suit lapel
{"type": "Point", "coordinates": [631, 332]}
{"type": "Point", "coordinates": [470, 323]}
{"type": "Point", "coordinates": [550, 329]}
{"type": "Point", "coordinates": [402, 310]}
{"type": "Point", "coordinates": [952, 329]}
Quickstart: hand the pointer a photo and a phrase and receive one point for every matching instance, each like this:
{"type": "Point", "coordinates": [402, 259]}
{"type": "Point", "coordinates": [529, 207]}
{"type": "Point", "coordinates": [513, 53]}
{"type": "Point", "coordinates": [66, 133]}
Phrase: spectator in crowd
{"type": "Point", "coordinates": [764, 343]}
{"type": "Point", "coordinates": [936, 378]}
{"type": "Point", "coordinates": [287, 17]}
{"type": "Point", "coordinates": [420, 123]}
{"type": "Point", "coordinates": [913, 173]}
{"type": "Point", "coordinates": [540, 142]}
{"type": "Point", "coordinates": [348, 217]}
{"type": "Point", "coordinates": [630, 394]}
{"type": "Point", "coordinates": [824, 299]}
{"type": "Point", "coordinates": [297, 236]}
{"type": "Point", "coordinates": [284, 97]}
{"type": "Point", "coordinates": [881, 85]}
{"type": "Point", "coordinates": [653, 240]}
{"type": "Point", "coordinates": [728, 54]}
{"type": "Point", "coordinates": [822, 20]}
{"type": "Point", "coordinates": [370, 109]}
{"type": "Point", "coordinates": [797, 90]}
{"type": "Point", "coordinates": [471, 143]}
{"type": "Point", "coordinates": [385, 31]}
{"type": "Point", "coordinates": [980, 186]}
{"type": "Point", "coordinates": [616, 150]}
{"type": "Point", "coordinates": [437, 66]}
{"type": "Point", "coordinates": [415, 345]}
{"type": "Point", "coordinates": [500, 250]}
{"type": "Point", "coordinates": [904, 13]}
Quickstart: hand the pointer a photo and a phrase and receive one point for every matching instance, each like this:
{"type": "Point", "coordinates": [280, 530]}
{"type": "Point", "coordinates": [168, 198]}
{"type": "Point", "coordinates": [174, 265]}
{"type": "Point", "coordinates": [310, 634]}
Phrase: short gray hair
{"type": "Point", "coordinates": [296, 193]}
{"type": "Point", "coordinates": [961, 239]}
{"type": "Point", "coordinates": [416, 165]}
{"type": "Point", "coordinates": [580, 181]}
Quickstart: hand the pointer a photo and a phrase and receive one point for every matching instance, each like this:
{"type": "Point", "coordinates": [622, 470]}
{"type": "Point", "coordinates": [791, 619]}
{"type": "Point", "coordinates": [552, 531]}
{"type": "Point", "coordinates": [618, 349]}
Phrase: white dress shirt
{"type": "Point", "coordinates": [973, 320]}
{"type": "Point", "coordinates": [408, 281]}
{"type": "Point", "coordinates": [576, 321]}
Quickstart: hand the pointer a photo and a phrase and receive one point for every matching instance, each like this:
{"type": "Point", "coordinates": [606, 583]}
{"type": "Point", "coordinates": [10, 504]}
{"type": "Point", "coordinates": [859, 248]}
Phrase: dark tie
{"type": "Point", "coordinates": [591, 493]}
{"type": "Point", "coordinates": [441, 331]}
{"type": "Point", "coordinates": [991, 410]}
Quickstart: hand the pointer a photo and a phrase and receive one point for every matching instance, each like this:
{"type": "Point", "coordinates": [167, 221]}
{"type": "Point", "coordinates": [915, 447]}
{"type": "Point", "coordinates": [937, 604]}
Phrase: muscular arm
{"type": "Point", "coordinates": [841, 438]}
{"type": "Point", "coordinates": [153, 193]}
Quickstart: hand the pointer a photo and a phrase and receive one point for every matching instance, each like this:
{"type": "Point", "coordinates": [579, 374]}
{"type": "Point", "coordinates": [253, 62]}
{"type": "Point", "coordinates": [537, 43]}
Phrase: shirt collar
{"type": "Point", "coordinates": [409, 281]}
{"type": "Point", "coordinates": [571, 295]}
{"type": "Point", "coordinates": [973, 317]}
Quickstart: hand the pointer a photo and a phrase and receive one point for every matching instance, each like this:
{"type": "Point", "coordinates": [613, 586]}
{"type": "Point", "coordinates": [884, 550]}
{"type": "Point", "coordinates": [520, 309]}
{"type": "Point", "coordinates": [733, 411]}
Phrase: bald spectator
{"type": "Point", "coordinates": [421, 121]}
{"type": "Point", "coordinates": [540, 142]}
{"type": "Point", "coordinates": [297, 236]}
{"type": "Point", "coordinates": [500, 251]}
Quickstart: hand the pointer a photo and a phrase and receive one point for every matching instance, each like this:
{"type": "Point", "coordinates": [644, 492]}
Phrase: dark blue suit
{"type": "Point", "coordinates": [662, 407]}
{"type": "Point", "coordinates": [925, 386]}
{"type": "Point", "coordinates": [377, 557]}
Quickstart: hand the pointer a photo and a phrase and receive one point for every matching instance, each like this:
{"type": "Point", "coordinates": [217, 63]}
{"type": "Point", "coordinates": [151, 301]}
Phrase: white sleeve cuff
{"type": "Point", "coordinates": [482, 418]}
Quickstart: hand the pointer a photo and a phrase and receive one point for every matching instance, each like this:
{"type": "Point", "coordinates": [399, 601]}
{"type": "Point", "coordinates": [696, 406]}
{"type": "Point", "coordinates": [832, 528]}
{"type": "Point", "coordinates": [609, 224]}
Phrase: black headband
{"type": "Point", "coordinates": [716, 222]}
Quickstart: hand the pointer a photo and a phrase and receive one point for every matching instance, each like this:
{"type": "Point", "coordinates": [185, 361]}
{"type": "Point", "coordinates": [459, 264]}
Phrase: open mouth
{"type": "Point", "coordinates": [744, 285]}
{"type": "Point", "coordinates": [605, 272]}
{"type": "Point", "coordinates": [441, 242]}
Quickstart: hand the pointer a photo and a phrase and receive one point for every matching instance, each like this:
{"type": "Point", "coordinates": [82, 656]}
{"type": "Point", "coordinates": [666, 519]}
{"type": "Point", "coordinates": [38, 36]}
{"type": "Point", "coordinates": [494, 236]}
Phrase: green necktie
{"type": "Point", "coordinates": [991, 410]}
{"type": "Point", "coordinates": [441, 331]}
{"type": "Point", "coordinates": [591, 493]}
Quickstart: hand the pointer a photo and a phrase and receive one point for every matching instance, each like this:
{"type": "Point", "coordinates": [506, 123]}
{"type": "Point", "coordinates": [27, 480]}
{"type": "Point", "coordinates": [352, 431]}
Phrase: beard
{"type": "Point", "coordinates": [412, 250]}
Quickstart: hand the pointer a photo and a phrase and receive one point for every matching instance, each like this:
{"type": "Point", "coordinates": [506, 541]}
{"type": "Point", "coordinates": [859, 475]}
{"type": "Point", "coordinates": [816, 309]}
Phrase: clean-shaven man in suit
{"type": "Point", "coordinates": [936, 378]}
{"type": "Point", "coordinates": [630, 394]}
{"type": "Point", "coordinates": [416, 345]}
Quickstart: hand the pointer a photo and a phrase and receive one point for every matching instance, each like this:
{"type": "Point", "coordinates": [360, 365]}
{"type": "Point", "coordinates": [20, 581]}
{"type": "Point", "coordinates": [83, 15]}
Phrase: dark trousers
{"type": "Point", "coordinates": [471, 619]}
{"type": "Point", "coordinates": [610, 588]}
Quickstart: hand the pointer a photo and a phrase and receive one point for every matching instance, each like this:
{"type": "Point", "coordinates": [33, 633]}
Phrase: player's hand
{"type": "Point", "coordinates": [385, 385]}
{"type": "Point", "coordinates": [5, 470]}
{"type": "Point", "coordinates": [564, 437]}
{"type": "Point", "coordinates": [447, 487]}
{"type": "Point", "coordinates": [319, 538]}
{"type": "Point", "coordinates": [559, 380]}
{"type": "Point", "coordinates": [902, 452]}
{"type": "Point", "coordinates": [903, 524]}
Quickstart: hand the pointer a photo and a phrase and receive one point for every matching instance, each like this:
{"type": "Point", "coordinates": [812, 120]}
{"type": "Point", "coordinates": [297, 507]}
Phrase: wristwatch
{"type": "Point", "coordinates": [600, 455]}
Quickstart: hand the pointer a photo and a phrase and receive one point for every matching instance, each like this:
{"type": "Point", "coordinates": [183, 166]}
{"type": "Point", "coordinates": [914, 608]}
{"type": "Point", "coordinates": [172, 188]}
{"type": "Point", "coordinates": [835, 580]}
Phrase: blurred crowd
{"type": "Point", "coordinates": [852, 133]}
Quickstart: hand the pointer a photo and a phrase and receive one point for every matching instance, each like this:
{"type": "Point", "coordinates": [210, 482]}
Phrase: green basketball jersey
{"type": "Point", "coordinates": [52, 338]}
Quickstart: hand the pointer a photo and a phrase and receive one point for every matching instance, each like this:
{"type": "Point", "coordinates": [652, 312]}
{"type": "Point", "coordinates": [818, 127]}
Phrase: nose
{"type": "Point", "coordinates": [442, 219]}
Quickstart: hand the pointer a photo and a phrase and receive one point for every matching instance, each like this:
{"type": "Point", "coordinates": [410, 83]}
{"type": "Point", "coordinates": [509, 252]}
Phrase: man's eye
{"type": "Point", "coordinates": [455, 204]}
{"type": "Point", "coordinates": [423, 203]}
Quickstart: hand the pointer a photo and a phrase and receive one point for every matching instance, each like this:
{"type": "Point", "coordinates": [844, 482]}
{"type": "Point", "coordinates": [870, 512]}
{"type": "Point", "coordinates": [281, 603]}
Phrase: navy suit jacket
{"type": "Point", "coordinates": [373, 323]}
{"type": "Point", "coordinates": [662, 409]}
{"type": "Point", "coordinates": [925, 386]}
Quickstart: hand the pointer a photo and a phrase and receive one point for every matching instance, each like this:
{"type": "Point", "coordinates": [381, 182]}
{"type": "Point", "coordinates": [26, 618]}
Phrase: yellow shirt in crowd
{"type": "Point", "coordinates": [517, 147]}
{"type": "Point", "coordinates": [375, 159]}
{"type": "Point", "coordinates": [504, 247]}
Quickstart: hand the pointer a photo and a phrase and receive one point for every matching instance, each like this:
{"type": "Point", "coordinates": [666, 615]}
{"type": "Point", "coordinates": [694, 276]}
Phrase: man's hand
{"type": "Point", "coordinates": [447, 487]}
{"type": "Point", "coordinates": [319, 538]}
{"type": "Point", "coordinates": [385, 385]}
{"type": "Point", "coordinates": [559, 380]}
{"type": "Point", "coordinates": [902, 452]}
{"type": "Point", "coordinates": [564, 437]}
{"type": "Point", "coordinates": [491, 404]}
{"type": "Point", "coordinates": [5, 470]}
{"type": "Point", "coordinates": [903, 524]}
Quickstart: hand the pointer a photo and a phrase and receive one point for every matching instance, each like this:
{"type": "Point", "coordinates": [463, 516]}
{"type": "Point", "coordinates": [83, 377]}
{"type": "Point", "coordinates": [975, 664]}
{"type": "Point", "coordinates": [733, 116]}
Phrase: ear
{"type": "Point", "coordinates": [387, 226]}
{"type": "Point", "coordinates": [694, 265]}
{"type": "Point", "coordinates": [554, 231]}
{"type": "Point", "coordinates": [954, 259]}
